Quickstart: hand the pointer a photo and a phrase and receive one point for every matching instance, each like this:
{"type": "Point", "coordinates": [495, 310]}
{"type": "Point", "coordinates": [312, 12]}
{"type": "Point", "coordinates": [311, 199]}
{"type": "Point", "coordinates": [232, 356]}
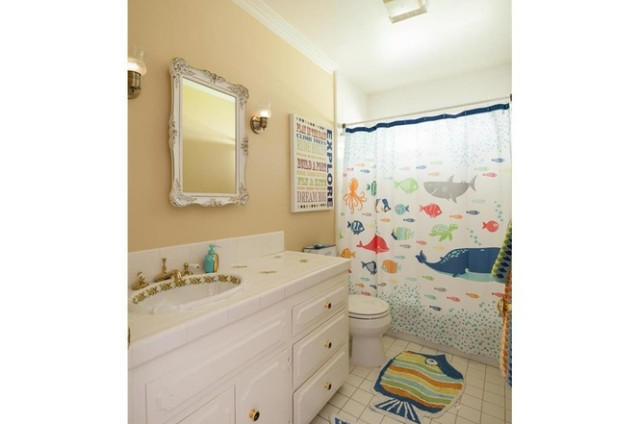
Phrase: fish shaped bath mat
{"type": "Point", "coordinates": [338, 420]}
{"type": "Point", "coordinates": [411, 386]}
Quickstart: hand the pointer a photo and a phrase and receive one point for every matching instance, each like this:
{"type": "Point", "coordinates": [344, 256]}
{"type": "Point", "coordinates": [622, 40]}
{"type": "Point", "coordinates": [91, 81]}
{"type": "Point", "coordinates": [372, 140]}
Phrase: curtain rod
{"type": "Point", "coordinates": [429, 111]}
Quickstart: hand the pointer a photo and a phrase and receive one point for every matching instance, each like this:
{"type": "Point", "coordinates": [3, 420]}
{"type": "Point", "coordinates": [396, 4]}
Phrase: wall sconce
{"type": "Point", "coordinates": [260, 119]}
{"type": "Point", "coordinates": [136, 68]}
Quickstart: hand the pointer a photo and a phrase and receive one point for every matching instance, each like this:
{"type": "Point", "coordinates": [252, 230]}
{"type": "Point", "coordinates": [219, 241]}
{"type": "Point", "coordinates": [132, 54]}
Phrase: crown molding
{"type": "Point", "coordinates": [288, 33]}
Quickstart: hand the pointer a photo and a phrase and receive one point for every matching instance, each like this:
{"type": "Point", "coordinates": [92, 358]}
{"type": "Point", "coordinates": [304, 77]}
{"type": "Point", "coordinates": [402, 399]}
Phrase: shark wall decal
{"type": "Point", "coordinates": [448, 189]}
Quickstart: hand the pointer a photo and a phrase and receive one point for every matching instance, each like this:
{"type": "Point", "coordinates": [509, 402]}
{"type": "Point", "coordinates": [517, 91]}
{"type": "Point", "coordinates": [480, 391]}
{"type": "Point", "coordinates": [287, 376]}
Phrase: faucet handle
{"type": "Point", "coordinates": [187, 267]}
{"type": "Point", "coordinates": [176, 275]}
{"type": "Point", "coordinates": [140, 282]}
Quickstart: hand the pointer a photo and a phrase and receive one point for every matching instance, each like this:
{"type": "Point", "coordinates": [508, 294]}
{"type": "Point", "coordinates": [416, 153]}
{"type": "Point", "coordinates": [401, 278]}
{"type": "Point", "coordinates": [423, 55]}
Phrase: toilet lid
{"type": "Point", "coordinates": [366, 306]}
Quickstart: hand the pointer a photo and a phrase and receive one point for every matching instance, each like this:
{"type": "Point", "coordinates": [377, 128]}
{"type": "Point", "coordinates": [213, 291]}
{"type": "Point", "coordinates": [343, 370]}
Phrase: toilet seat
{"type": "Point", "coordinates": [367, 307]}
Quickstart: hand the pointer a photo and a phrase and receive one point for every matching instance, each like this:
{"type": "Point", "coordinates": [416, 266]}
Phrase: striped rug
{"type": "Point", "coordinates": [414, 385]}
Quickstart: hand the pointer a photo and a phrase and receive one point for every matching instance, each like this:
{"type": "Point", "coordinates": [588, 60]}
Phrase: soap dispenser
{"type": "Point", "coordinates": [211, 260]}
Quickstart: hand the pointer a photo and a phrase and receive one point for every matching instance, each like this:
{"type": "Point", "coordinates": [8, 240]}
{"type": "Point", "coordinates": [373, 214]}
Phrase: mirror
{"type": "Point", "coordinates": [207, 138]}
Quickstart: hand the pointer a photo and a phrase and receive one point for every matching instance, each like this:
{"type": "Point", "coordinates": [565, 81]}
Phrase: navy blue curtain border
{"type": "Point", "coordinates": [501, 106]}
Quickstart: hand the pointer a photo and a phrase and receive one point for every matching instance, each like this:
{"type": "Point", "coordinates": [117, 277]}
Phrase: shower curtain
{"type": "Point", "coordinates": [424, 206]}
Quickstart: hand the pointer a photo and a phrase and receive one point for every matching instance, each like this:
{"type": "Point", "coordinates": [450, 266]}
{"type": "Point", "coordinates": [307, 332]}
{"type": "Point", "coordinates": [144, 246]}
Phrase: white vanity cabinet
{"type": "Point", "coordinates": [171, 387]}
{"type": "Point", "coordinates": [320, 356]}
{"type": "Point", "coordinates": [279, 365]}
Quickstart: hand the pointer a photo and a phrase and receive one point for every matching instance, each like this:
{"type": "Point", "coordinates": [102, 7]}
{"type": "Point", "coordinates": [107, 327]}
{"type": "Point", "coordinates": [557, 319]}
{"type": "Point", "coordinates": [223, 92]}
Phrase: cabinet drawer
{"type": "Point", "coordinates": [309, 399]}
{"type": "Point", "coordinates": [219, 410]}
{"type": "Point", "coordinates": [165, 395]}
{"type": "Point", "coordinates": [319, 308]}
{"type": "Point", "coordinates": [312, 351]}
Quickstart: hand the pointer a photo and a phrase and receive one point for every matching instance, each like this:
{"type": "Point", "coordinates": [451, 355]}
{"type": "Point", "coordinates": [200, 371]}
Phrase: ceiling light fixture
{"type": "Point", "coordinates": [400, 10]}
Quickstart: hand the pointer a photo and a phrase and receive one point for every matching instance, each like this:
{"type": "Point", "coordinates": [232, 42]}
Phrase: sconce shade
{"type": "Point", "coordinates": [261, 118]}
{"type": "Point", "coordinates": [136, 61]}
{"type": "Point", "coordinates": [265, 110]}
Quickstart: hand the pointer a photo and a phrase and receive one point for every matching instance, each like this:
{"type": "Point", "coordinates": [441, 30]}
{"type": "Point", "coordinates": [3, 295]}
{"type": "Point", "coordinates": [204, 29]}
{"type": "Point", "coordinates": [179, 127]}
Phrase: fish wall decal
{"type": "Point", "coordinates": [355, 226]}
{"type": "Point", "coordinates": [491, 226]}
{"type": "Point", "coordinates": [347, 253]}
{"type": "Point", "coordinates": [448, 189]}
{"type": "Point", "coordinates": [400, 209]}
{"type": "Point", "coordinates": [372, 188]}
{"type": "Point", "coordinates": [432, 209]}
{"type": "Point", "coordinates": [370, 266]}
{"type": "Point", "coordinates": [382, 205]}
{"type": "Point", "coordinates": [408, 185]}
{"type": "Point", "coordinates": [401, 233]}
{"type": "Point", "coordinates": [390, 266]}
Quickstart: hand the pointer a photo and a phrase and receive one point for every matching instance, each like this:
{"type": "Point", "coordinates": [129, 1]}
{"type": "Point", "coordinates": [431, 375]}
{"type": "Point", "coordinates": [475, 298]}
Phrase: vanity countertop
{"type": "Point", "coordinates": [268, 280]}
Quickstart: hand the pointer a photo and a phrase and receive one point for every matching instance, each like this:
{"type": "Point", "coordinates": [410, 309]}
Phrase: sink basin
{"type": "Point", "coordinates": [186, 293]}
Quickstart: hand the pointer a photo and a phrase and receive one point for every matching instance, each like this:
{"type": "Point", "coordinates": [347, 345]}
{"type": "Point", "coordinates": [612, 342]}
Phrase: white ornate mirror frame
{"type": "Point", "coordinates": [181, 71]}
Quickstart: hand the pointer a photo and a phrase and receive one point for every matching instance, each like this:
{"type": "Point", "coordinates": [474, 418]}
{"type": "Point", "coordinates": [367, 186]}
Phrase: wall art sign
{"type": "Point", "coordinates": [312, 158]}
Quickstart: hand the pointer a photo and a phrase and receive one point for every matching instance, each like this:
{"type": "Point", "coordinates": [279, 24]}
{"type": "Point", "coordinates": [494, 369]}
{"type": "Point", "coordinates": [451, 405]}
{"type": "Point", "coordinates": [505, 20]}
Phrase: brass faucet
{"type": "Point", "coordinates": [164, 275]}
{"type": "Point", "coordinates": [176, 275]}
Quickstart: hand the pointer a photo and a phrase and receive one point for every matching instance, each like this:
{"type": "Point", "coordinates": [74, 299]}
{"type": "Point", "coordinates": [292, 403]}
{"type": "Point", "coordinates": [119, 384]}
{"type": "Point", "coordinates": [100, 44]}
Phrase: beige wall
{"type": "Point", "coordinates": [220, 37]}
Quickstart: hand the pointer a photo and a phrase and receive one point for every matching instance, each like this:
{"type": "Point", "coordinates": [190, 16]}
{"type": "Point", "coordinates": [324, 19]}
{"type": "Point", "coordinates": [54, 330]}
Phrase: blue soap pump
{"type": "Point", "coordinates": [211, 260]}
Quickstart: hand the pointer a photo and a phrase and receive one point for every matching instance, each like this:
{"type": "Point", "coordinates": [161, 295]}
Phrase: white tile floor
{"type": "Point", "coordinates": [486, 398]}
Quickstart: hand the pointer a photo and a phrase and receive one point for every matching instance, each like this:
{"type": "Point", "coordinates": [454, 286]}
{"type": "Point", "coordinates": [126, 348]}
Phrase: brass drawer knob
{"type": "Point", "coordinates": [327, 344]}
{"type": "Point", "coordinates": [254, 414]}
{"type": "Point", "coordinates": [327, 304]}
{"type": "Point", "coordinates": [327, 385]}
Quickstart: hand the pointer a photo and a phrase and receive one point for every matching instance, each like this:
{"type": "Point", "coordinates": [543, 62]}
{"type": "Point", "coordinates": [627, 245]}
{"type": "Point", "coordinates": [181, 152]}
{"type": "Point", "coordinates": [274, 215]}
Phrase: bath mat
{"type": "Point", "coordinates": [414, 385]}
{"type": "Point", "coordinates": [337, 420]}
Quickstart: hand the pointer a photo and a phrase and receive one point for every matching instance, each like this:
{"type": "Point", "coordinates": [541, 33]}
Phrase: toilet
{"type": "Point", "coordinates": [369, 319]}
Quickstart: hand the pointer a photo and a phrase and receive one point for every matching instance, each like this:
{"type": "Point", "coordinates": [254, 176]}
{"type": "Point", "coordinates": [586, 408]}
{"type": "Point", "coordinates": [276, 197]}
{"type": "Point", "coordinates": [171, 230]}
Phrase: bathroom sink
{"type": "Point", "coordinates": [185, 293]}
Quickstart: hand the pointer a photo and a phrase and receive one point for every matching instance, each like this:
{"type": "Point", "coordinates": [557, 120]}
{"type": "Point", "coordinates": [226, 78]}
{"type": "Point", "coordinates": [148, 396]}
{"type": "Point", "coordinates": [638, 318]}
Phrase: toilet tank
{"type": "Point", "coordinates": [321, 249]}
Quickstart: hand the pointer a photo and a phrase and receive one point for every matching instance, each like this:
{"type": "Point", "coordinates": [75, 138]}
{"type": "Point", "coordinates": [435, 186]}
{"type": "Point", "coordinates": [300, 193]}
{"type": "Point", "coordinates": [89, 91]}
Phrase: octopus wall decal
{"type": "Point", "coordinates": [352, 199]}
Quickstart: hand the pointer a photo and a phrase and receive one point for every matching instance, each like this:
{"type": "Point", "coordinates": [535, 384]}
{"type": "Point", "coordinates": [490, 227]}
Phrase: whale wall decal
{"type": "Point", "coordinates": [377, 245]}
{"type": "Point", "coordinates": [448, 189]}
{"type": "Point", "coordinates": [461, 261]}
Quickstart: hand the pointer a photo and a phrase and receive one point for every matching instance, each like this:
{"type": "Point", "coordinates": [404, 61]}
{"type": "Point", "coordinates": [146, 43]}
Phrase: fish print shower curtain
{"type": "Point", "coordinates": [424, 206]}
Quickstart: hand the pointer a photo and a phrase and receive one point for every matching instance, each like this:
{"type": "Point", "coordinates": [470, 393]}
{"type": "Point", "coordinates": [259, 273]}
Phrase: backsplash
{"type": "Point", "coordinates": [230, 251]}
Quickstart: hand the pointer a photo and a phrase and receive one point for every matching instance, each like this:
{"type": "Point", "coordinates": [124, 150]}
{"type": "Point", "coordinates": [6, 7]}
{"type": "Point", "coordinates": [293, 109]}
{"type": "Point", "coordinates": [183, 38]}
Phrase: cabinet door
{"type": "Point", "coordinates": [218, 411]}
{"type": "Point", "coordinates": [172, 394]}
{"type": "Point", "coordinates": [263, 396]}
